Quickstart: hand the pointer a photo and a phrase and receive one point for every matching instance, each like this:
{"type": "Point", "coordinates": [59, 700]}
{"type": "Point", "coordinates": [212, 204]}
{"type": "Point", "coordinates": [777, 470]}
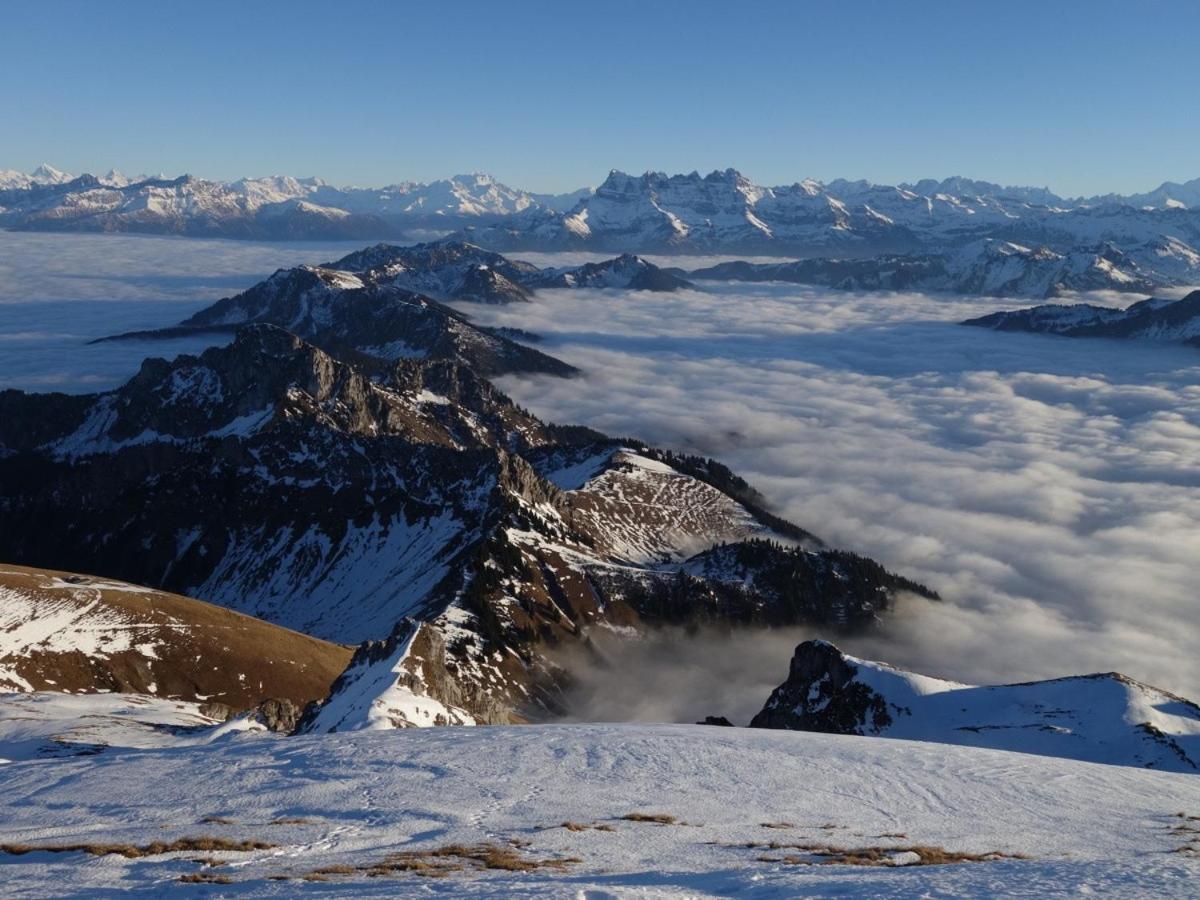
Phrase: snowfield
{"type": "Point", "coordinates": [344, 801]}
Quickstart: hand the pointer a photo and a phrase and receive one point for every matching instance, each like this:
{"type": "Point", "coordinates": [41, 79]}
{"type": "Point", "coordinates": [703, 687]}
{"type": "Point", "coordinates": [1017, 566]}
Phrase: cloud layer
{"type": "Point", "coordinates": [57, 291]}
{"type": "Point", "coordinates": [1049, 488]}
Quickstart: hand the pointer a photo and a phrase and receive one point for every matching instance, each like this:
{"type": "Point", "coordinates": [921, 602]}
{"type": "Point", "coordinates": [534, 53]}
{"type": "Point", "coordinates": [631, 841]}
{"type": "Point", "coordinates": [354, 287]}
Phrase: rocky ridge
{"type": "Point", "coordinates": [1106, 718]}
{"type": "Point", "coordinates": [1156, 319]}
{"type": "Point", "coordinates": [340, 498]}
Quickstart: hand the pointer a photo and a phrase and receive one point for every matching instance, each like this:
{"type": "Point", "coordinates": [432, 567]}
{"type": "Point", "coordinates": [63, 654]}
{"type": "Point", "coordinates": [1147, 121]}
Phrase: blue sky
{"type": "Point", "coordinates": [1084, 97]}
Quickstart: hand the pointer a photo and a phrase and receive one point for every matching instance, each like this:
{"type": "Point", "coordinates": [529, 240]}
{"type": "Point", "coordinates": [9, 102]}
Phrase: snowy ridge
{"type": "Point", "coordinates": [454, 270]}
{"type": "Point", "coordinates": [385, 687]}
{"type": "Point", "coordinates": [1153, 319]}
{"type": "Point", "coordinates": [56, 725]}
{"type": "Point", "coordinates": [1104, 718]}
{"type": "Point", "coordinates": [276, 207]}
{"type": "Point", "coordinates": [367, 313]}
{"type": "Point", "coordinates": [80, 634]}
{"type": "Point", "coordinates": [987, 267]}
{"type": "Point", "coordinates": [723, 212]}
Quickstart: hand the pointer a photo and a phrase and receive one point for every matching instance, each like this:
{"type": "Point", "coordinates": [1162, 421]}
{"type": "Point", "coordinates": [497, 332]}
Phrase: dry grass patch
{"type": "Point", "coordinates": [905, 855]}
{"type": "Point", "coordinates": [776, 825]}
{"type": "Point", "coordinates": [442, 861]}
{"type": "Point", "coordinates": [579, 826]}
{"type": "Point", "coordinates": [133, 851]}
{"type": "Point", "coordinates": [205, 878]}
{"type": "Point", "coordinates": [217, 820]}
{"type": "Point", "coordinates": [293, 820]}
{"type": "Point", "coordinates": [652, 818]}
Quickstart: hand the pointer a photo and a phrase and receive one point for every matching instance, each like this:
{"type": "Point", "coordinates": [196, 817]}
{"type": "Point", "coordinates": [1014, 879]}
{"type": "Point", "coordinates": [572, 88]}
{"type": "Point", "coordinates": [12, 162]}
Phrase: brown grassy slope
{"type": "Point", "coordinates": [64, 632]}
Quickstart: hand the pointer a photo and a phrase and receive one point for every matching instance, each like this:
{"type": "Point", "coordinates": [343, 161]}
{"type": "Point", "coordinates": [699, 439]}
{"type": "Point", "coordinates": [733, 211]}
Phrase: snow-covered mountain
{"type": "Point", "coordinates": [1106, 718]}
{"type": "Point", "coordinates": [453, 270]}
{"type": "Point", "coordinates": [80, 634]}
{"type": "Point", "coordinates": [720, 212]}
{"type": "Point", "coordinates": [274, 208]}
{"type": "Point", "coordinates": [626, 271]}
{"type": "Point", "coordinates": [724, 212]}
{"type": "Point", "coordinates": [368, 316]}
{"type": "Point", "coordinates": [1154, 319]}
{"type": "Point", "coordinates": [592, 811]}
{"type": "Point", "coordinates": [339, 498]}
{"type": "Point", "coordinates": [45, 174]}
{"type": "Point", "coordinates": [1168, 195]}
{"type": "Point", "coordinates": [988, 267]}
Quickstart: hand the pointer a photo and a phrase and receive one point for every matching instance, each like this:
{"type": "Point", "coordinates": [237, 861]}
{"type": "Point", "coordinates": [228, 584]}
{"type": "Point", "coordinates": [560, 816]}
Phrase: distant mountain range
{"type": "Point", "coordinates": [273, 208]}
{"type": "Point", "coordinates": [725, 213]}
{"type": "Point", "coordinates": [722, 212]}
{"type": "Point", "coordinates": [987, 267]}
{"type": "Point", "coordinates": [1106, 718]}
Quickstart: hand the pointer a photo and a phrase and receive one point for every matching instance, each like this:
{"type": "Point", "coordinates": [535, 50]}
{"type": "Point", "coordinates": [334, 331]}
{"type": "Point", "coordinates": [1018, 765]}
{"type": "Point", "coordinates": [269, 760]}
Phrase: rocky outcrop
{"type": "Point", "coordinates": [1106, 718]}
{"type": "Point", "coordinates": [822, 694]}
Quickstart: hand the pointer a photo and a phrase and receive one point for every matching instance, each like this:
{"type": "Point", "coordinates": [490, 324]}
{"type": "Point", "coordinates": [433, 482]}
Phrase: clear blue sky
{"type": "Point", "coordinates": [1085, 97]}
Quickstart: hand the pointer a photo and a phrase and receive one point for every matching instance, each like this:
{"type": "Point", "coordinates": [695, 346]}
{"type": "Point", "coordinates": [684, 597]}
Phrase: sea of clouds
{"type": "Point", "coordinates": [59, 291]}
{"type": "Point", "coordinates": [1048, 488]}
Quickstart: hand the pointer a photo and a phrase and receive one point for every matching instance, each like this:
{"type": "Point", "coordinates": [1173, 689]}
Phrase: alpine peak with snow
{"type": "Point", "coordinates": [1109, 241]}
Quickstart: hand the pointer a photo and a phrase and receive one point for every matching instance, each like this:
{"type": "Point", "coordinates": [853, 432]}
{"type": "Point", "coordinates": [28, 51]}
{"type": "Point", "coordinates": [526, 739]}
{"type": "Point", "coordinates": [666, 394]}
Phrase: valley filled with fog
{"type": "Point", "coordinates": [1048, 488]}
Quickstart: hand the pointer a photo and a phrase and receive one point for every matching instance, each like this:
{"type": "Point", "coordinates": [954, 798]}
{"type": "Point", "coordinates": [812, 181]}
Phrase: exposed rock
{"type": "Point", "coordinates": [341, 497]}
{"type": "Point", "coordinates": [280, 715]}
{"type": "Point", "coordinates": [1107, 717]}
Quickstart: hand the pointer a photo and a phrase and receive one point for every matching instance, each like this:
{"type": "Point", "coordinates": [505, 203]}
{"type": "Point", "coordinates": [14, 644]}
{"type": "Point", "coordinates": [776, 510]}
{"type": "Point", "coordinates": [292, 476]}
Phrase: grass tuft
{"type": "Point", "coordinates": [653, 818]}
{"type": "Point", "coordinates": [133, 851]}
{"type": "Point", "coordinates": [205, 878]}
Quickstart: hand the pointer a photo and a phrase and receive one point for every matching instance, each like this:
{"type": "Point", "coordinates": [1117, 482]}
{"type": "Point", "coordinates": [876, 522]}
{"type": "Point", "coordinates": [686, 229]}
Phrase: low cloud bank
{"type": "Point", "coordinates": [59, 291]}
{"type": "Point", "coordinates": [1048, 488]}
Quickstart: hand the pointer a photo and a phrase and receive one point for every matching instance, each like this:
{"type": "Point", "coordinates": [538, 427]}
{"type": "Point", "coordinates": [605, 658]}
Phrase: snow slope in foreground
{"type": "Point", "coordinates": [351, 800]}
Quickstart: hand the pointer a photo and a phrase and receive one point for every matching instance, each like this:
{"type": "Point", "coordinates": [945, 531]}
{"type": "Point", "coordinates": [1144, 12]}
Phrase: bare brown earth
{"type": "Point", "coordinates": [65, 632]}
